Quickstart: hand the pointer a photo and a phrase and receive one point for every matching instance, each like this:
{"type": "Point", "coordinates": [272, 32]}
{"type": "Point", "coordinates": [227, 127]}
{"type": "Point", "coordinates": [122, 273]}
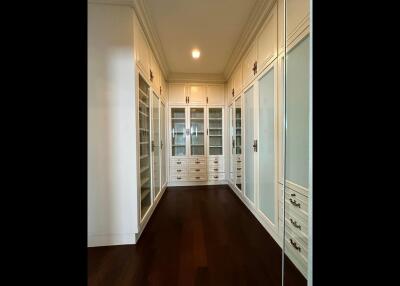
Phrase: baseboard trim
{"type": "Point", "coordinates": [111, 239]}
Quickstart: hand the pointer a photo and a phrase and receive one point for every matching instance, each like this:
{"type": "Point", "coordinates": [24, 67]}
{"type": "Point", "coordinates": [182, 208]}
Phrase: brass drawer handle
{"type": "Point", "coordinates": [294, 244]}
{"type": "Point", "coordinates": [178, 163]}
{"type": "Point", "coordinates": [295, 224]}
{"type": "Point", "coordinates": [197, 162]}
{"type": "Point", "coordinates": [215, 169]}
{"type": "Point", "coordinates": [178, 170]}
{"type": "Point", "coordinates": [239, 169]}
{"type": "Point", "coordinates": [178, 178]}
{"type": "Point", "coordinates": [215, 161]}
{"type": "Point", "coordinates": [296, 204]}
{"type": "Point", "coordinates": [293, 195]}
{"type": "Point", "coordinates": [197, 170]}
{"type": "Point", "coordinates": [197, 177]}
{"type": "Point", "coordinates": [215, 177]}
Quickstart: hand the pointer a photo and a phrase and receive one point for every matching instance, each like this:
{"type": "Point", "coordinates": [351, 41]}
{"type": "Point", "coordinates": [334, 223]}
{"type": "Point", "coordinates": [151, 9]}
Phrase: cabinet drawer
{"type": "Point", "coordinates": [196, 160]}
{"type": "Point", "coordinates": [178, 178]}
{"type": "Point", "coordinates": [216, 169]}
{"type": "Point", "coordinates": [295, 246]}
{"type": "Point", "coordinates": [197, 170]}
{"type": "Point", "coordinates": [199, 164]}
{"type": "Point", "coordinates": [216, 176]}
{"type": "Point", "coordinates": [178, 162]}
{"type": "Point", "coordinates": [297, 227]}
{"type": "Point", "coordinates": [197, 177]}
{"type": "Point", "coordinates": [296, 201]}
{"type": "Point", "coordinates": [215, 161]}
{"type": "Point", "coordinates": [178, 171]}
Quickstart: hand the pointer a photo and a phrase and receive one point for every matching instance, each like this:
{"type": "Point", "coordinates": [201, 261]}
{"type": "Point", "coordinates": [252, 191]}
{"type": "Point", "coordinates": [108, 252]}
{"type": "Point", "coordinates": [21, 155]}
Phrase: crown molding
{"type": "Point", "coordinates": [196, 77]}
{"type": "Point", "coordinates": [256, 19]}
{"type": "Point", "coordinates": [149, 30]}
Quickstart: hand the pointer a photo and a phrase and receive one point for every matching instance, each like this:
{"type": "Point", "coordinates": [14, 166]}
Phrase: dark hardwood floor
{"type": "Point", "coordinates": [197, 236]}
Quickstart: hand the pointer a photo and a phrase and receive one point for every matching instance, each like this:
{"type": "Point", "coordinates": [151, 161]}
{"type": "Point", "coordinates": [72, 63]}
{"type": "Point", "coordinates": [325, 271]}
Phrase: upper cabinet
{"type": "Point", "coordinates": [215, 94]}
{"type": "Point", "coordinates": [267, 40]}
{"type": "Point", "coordinates": [250, 65]}
{"type": "Point", "coordinates": [177, 94]}
{"type": "Point", "coordinates": [298, 18]}
{"type": "Point", "coordinates": [238, 79]}
{"type": "Point", "coordinates": [197, 94]}
{"type": "Point", "coordinates": [281, 26]}
{"type": "Point", "coordinates": [154, 73]}
{"type": "Point", "coordinates": [163, 88]}
{"type": "Point", "coordinates": [142, 49]}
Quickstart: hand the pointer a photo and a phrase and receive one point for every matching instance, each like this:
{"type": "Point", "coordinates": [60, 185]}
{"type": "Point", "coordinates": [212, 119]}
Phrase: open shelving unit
{"type": "Point", "coordinates": [145, 147]}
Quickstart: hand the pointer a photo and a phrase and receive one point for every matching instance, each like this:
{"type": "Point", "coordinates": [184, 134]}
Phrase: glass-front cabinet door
{"type": "Point", "coordinates": [215, 131]}
{"type": "Point", "coordinates": [197, 138]}
{"type": "Point", "coordinates": [162, 144]}
{"type": "Point", "coordinates": [155, 144]}
{"type": "Point", "coordinates": [232, 131]}
{"type": "Point", "coordinates": [237, 146]}
{"type": "Point", "coordinates": [178, 131]}
{"type": "Point", "coordinates": [145, 147]}
{"type": "Point", "coordinates": [249, 143]}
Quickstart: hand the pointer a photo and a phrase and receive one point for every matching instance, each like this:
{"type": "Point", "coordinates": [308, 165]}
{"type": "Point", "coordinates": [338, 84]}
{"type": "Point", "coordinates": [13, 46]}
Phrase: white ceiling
{"type": "Point", "coordinates": [213, 26]}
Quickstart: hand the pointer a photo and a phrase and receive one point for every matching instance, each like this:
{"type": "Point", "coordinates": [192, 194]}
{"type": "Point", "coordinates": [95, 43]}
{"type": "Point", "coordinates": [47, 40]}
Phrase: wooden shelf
{"type": "Point", "coordinates": [145, 194]}
{"type": "Point", "coordinates": [144, 114]}
{"type": "Point", "coordinates": [142, 102]}
{"type": "Point", "coordinates": [144, 181]}
{"type": "Point", "coordinates": [144, 156]}
{"type": "Point", "coordinates": [143, 92]}
{"type": "Point", "coordinates": [144, 169]}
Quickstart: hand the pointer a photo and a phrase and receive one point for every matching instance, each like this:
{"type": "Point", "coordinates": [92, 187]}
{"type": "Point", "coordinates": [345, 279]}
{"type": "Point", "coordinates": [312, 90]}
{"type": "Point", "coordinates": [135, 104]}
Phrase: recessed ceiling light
{"type": "Point", "coordinates": [195, 53]}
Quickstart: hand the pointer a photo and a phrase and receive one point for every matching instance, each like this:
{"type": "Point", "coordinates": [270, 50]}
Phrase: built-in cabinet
{"type": "Point", "coordinates": [264, 173]}
{"type": "Point", "coordinates": [196, 132]}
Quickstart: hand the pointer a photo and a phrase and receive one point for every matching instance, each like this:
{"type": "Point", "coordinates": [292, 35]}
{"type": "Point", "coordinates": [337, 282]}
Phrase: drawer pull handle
{"type": "Point", "coordinates": [295, 224]}
{"type": "Point", "coordinates": [295, 245]}
{"type": "Point", "coordinates": [197, 162]}
{"type": "Point", "coordinates": [178, 170]}
{"type": "Point", "coordinates": [239, 161]}
{"type": "Point", "coordinates": [215, 177]}
{"type": "Point", "coordinates": [197, 177]}
{"type": "Point", "coordinates": [178, 162]}
{"type": "Point", "coordinates": [215, 161]}
{"type": "Point", "coordinates": [178, 178]}
{"type": "Point", "coordinates": [293, 195]}
{"type": "Point", "coordinates": [215, 169]}
{"type": "Point", "coordinates": [296, 204]}
{"type": "Point", "coordinates": [238, 176]}
{"type": "Point", "coordinates": [197, 170]}
{"type": "Point", "coordinates": [239, 169]}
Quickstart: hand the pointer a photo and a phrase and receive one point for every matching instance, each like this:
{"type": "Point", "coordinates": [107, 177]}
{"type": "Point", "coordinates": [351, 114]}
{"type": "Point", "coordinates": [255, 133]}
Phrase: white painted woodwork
{"type": "Point", "coordinates": [197, 94]}
{"type": "Point", "coordinates": [215, 94]}
{"type": "Point", "coordinates": [177, 94]}
{"type": "Point", "coordinates": [248, 63]}
{"type": "Point", "coordinates": [142, 49]}
{"type": "Point", "coordinates": [281, 26]}
{"type": "Point", "coordinates": [297, 18]}
{"type": "Point", "coordinates": [238, 79]}
{"type": "Point", "coordinates": [267, 40]}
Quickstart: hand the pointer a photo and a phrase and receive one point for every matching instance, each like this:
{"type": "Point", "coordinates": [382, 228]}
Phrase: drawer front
{"type": "Point", "coordinates": [216, 161]}
{"type": "Point", "coordinates": [201, 164]}
{"type": "Point", "coordinates": [295, 232]}
{"type": "Point", "coordinates": [197, 170]}
{"type": "Point", "coordinates": [196, 160]}
{"type": "Point", "coordinates": [197, 177]}
{"type": "Point", "coordinates": [216, 177]}
{"type": "Point", "coordinates": [178, 172]}
{"type": "Point", "coordinates": [178, 178]}
{"type": "Point", "coordinates": [215, 169]}
{"type": "Point", "coordinates": [296, 201]}
{"type": "Point", "coordinates": [296, 246]}
{"type": "Point", "coordinates": [178, 163]}
{"type": "Point", "coordinates": [297, 223]}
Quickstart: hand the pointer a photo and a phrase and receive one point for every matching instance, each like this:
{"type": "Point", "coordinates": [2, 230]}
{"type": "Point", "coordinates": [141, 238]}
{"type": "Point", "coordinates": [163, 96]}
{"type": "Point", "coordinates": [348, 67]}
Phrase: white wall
{"type": "Point", "coordinates": [112, 197]}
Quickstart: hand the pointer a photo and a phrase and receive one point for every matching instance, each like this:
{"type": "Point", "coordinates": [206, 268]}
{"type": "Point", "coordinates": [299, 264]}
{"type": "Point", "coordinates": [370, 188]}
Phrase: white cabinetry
{"type": "Point", "coordinates": [142, 49]}
{"type": "Point", "coordinates": [267, 40]}
{"type": "Point", "coordinates": [177, 94]}
{"type": "Point", "coordinates": [215, 94]}
{"type": "Point", "coordinates": [297, 19]}
{"type": "Point", "coordinates": [196, 94]}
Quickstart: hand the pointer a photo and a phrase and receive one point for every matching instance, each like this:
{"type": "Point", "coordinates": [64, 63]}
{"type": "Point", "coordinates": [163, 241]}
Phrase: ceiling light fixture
{"type": "Point", "coordinates": [195, 53]}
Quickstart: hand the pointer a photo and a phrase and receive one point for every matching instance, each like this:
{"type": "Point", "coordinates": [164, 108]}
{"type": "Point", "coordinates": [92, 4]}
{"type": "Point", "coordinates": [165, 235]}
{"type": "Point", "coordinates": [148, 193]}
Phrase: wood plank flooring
{"type": "Point", "coordinates": [197, 236]}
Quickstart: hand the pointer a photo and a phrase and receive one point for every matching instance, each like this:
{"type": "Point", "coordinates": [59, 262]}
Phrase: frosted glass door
{"type": "Point", "coordinates": [145, 146]}
{"type": "Point", "coordinates": [215, 134]}
{"type": "Point", "coordinates": [266, 145]}
{"type": "Point", "coordinates": [162, 145]}
{"type": "Point", "coordinates": [156, 145]}
{"type": "Point", "coordinates": [248, 144]}
{"type": "Point", "coordinates": [178, 131]}
{"type": "Point", "coordinates": [197, 129]}
{"type": "Point", "coordinates": [238, 142]}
